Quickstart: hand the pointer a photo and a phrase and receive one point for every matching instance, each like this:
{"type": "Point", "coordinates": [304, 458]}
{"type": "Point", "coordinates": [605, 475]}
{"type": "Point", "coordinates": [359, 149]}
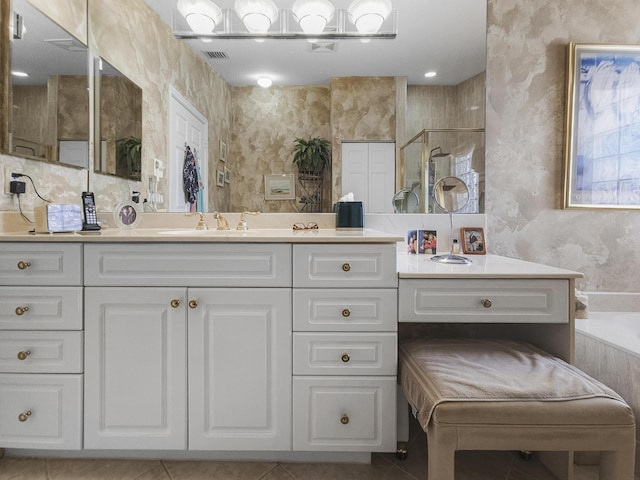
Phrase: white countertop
{"type": "Point", "coordinates": [167, 235]}
{"type": "Point", "coordinates": [482, 266]}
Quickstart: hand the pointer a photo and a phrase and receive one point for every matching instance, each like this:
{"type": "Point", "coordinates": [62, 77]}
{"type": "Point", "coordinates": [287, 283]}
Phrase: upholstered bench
{"type": "Point", "coordinates": [503, 395]}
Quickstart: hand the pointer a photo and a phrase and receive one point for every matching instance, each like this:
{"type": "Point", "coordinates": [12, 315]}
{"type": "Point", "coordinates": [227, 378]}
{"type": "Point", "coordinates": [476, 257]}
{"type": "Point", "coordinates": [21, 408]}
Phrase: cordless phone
{"type": "Point", "coordinates": [89, 210]}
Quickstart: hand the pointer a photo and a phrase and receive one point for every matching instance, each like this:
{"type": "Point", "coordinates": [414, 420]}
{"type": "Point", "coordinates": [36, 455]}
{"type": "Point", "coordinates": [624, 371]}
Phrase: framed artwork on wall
{"type": "Point", "coordinates": [602, 151]}
{"type": "Point", "coordinates": [473, 240]}
{"type": "Point", "coordinates": [223, 151]}
{"type": "Point", "coordinates": [227, 175]}
{"type": "Point", "coordinates": [280, 187]}
{"type": "Point", "coordinates": [220, 178]}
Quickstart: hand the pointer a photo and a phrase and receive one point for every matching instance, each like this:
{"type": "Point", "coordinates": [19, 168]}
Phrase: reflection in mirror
{"type": "Point", "coordinates": [451, 195]}
{"type": "Point", "coordinates": [118, 123]}
{"type": "Point", "coordinates": [405, 201]}
{"type": "Point", "coordinates": [49, 96]}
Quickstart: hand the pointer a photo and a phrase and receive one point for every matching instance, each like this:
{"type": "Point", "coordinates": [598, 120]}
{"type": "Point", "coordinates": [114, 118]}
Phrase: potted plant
{"type": "Point", "coordinates": [313, 155]}
{"type": "Point", "coordinates": [129, 157]}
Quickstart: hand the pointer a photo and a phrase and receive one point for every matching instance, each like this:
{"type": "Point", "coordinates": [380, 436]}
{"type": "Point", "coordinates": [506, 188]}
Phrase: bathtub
{"type": "Point", "coordinates": [620, 330]}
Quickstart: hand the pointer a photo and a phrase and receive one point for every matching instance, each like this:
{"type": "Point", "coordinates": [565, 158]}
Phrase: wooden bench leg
{"type": "Point", "coordinates": [441, 453]}
{"type": "Point", "coordinates": [617, 465]}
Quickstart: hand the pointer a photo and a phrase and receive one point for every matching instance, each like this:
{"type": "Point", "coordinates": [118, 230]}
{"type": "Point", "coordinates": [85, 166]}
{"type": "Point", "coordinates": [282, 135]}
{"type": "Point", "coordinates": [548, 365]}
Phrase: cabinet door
{"type": "Point", "coordinates": [240, 369]}
{"type": "Point", "coordinates": [135, 368]}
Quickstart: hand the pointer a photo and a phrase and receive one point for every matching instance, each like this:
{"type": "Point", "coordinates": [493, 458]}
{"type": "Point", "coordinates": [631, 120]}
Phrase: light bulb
{"type": "Point", "coordinates": [313, 15]}
{"type": "Point", "coordinates": [257, 15]}
{"type": "Point", "coordinates": [369, 15]}
{"type": "Point", "coordinates": [265, 82]}
{"type": "Point", "coordinates": [202, 15]}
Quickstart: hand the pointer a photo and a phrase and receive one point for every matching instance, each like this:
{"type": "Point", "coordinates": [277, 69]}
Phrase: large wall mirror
{"type": "Point", "coordinates": [47, 93]}
{"type": "Point", "coordinates": [118, 123]}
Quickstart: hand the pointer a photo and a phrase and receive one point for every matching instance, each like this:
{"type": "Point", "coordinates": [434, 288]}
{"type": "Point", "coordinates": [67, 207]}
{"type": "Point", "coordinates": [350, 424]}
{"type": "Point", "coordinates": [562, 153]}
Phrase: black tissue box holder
{"type": "Point", "coordinates": [349, 215]}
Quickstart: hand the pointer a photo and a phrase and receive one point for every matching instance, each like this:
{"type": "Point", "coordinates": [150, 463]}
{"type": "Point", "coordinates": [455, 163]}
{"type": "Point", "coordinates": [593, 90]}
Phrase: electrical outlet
{"type": "Point", "coordinates": [7, 178]}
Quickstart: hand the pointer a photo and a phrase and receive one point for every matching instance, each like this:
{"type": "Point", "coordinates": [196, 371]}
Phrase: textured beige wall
{"type": "Point", "coordinates": [265, 124]}
{"type": "Point", "coordinates": [527, 45]}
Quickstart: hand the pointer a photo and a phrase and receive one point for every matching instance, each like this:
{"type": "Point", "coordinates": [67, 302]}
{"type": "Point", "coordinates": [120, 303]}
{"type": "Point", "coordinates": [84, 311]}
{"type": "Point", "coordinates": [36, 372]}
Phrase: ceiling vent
{"type": "Point", "coordinates": [69, 44]}
{"type": "Point", "coordinates": [217, 55]}
{"type": "Point", "coordinates": [323, 47]}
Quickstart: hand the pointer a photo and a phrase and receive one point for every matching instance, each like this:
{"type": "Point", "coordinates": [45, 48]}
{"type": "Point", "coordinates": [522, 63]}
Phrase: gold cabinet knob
{"type": "Point", "coordinates": [175, 303]}
{"type": "Point", "coordinates": [21, 310]}
{"type": "Point", "coordinates": [345, 357]}
{"type": "Point", "coordinates": [193, 304]}
{"type": "Point", "coordinates": [23, 417]}
{"type": "Point", "coordinates": [346, 313]}
{"type": "Point", "coordinates": [346, 267]}
{"type": "Point", "coordinates": [486, 303]}
{"type": "Point", "coordinates": [23, 355]}
{"type": "Point", "coordinates": [23, 265]}
{"type": "Point", "coordinates": [344, 419]}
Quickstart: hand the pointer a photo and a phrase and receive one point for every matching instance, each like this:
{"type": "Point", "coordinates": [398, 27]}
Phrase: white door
{"type": "Point", "coordinates": [135, 368]}
{"type": "Point", "coordinates": [240, 369]}
{"type": "Point", "coordinates": [368, 170]}
{"type": "Point", "coordinates": [186, 127]}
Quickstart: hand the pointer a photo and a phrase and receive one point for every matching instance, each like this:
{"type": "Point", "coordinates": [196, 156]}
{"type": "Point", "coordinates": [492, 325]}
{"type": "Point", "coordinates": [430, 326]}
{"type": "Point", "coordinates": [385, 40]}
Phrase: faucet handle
{"type": "Point", "coordinates": [242, 225]}
{"type": "Point", "coordinates": [202, 225]}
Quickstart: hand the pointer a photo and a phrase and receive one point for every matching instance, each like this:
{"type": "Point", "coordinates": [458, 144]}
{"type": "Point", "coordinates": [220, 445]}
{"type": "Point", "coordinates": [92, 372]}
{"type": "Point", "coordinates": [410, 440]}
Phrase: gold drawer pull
{"type": "Point", "coordinates": [23, 355]}
{"type": "Point", "coordinates": [486, 303]}
{"type": "Point", "coordinates": [345, 357]}
{"type": "Point", "coordinates": [175, 303]}
{"type": "Point", "coordinates": [23, 417]}
{"type": "Point", "coordinates": [193, 304]}
{"type": "Point", "coordinates": [344, 419]}
{"type": "Point", "coordinates": [21, 310]}
{"type": "Point", "coordinates": [346, 313]}
{"type": "Point", "coordinates": [346, 267]}
{"type": "Point", "coordinates": [22, 265]}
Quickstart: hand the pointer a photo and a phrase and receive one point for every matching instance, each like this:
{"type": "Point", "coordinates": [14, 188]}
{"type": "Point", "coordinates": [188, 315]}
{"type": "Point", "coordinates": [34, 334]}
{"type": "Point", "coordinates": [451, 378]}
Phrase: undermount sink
{"type": "Point", "coordinates": [193, 232]}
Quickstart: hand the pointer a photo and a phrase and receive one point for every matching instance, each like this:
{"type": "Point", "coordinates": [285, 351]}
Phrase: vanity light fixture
{"type": "Point", "coordinates": [265, 82]}
{"type": "Point", "coordinates": [306, 20]}
{"type": "Point", "coordinates": [313, 15]}
{"type": "Point", "coordinates": [202, 15]}
{"type": "Point", "coordinates": [369, 15]}
{"type": "Point", "coordinates": [257, 15]}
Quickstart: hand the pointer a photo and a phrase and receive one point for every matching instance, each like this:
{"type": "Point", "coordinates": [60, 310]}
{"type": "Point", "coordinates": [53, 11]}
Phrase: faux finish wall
{"type": "Point", "coordinates": [527, 52]}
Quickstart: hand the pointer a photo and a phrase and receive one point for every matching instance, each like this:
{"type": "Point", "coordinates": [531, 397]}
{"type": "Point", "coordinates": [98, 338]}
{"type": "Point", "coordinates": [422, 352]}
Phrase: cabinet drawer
{"type": "Point", "coordinates": [344, 354]}
{"type": "Point", "coordinates": [41, 352]}
{"type": "Point", "coordinates": [484, 301]}
{"type": "Point", "coordinates": [41, 264]}
{"type": "Point", "coordinates": [344, 413]}
{"type": "Point", "coordinates": [41, 411]}
{"type": "Point", "coordinates": [50, 308]}
{"type": "Point", "coordinates": [356, 266]}
{"type": "Point", "coordinates": [202, 265]}
{"type": "Point", "coordinates": [345, 310]}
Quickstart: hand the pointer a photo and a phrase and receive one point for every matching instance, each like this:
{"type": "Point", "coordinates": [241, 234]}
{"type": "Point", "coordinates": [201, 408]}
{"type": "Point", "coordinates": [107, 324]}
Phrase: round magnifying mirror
{"type": "Point", "coordinates": [405, 201]}
{"type": "Point", "coordinates": [451, 194]}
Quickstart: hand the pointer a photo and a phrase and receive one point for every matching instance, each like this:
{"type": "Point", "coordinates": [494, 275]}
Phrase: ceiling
{"type": "Point", "coordinates": [446, 36]}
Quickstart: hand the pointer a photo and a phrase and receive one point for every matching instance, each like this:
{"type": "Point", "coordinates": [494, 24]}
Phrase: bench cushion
{"type": "Point", "coordinates": [501, 382]}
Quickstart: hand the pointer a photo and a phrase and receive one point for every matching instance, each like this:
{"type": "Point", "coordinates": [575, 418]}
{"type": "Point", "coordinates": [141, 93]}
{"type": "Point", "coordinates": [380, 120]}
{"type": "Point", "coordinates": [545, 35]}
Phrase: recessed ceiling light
{"type": "Point", "coordinates": [19, 74]}
{"type": "Point", "coordinates": [264, 82]}
{"type": "Point", "coordinates": [430, 74]}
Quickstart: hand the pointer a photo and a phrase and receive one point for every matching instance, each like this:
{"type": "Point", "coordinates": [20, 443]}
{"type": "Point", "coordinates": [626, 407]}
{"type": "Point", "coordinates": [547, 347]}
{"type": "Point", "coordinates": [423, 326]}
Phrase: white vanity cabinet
{"type": "Point", "coordinates": [188, 348]}
{"type": "Point", "coordinates": [41, 346]}
{"type": "Point", "coordinates": [344, 347]}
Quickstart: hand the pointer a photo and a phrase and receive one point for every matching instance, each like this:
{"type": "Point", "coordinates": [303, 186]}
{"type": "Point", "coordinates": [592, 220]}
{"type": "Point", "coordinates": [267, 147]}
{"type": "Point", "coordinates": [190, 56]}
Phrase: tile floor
{"type": "Point", "coordinates": [469, 466]}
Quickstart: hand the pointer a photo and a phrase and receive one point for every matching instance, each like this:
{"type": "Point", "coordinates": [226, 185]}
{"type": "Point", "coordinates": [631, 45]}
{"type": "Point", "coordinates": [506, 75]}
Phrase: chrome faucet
{"type": "Point", "coordinates": [242, 224]}
{"type": "Point", "coordinates": [222, 222]}
{"type": "Point", "coordinates": [202, 225]}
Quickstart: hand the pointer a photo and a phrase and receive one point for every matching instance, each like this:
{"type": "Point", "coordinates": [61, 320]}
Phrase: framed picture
{"type": "Point", "coordinates": [227, 175]}
{"type": "Point", "coordinates": [280, 187]}
{"type": "Point", "coordinates": [127, 215]}
{"type": "Point", "coordinates": [602, 151]}
{"type": "Point", "coordinates": [473, 240]}
{"type": "Point", "coordinates": [223, 151]}
{"type": "Point", "coordinates": [427, 241]}
{"type": "Point", "coordinates": [220, 178]}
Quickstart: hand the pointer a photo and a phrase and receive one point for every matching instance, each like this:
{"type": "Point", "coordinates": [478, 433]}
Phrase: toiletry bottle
{"type": "Point", "coordinates": [456, 246]}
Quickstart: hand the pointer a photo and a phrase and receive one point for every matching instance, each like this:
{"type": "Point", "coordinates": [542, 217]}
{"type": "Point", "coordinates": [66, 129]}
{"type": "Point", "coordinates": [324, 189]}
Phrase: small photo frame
{"type": "Point", "coordinates": [223, 151]}
{"type": "Point", "coordinates": [427, 241]}
{"type": "Point", "coordinates": [220, 178]}
{"type": "Point", "coordinates": [280, 187]}
{"type": "Point", "coordinates": [127, 215]}
{"type": "Point", "coordinates": [412, 241]}
{"type": "Point", "coordinates": [227, 175]}
{"type": "Point", "coordinates": [473, 240]}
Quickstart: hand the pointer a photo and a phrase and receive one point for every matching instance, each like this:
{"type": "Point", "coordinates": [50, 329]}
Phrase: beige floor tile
{"type": "Point", "coordinates": [81, 469]}
{"type": "Point", "coordinates": [23, 469]}
{"type": "Point", "coordinates": [157, 473]}
{"type": "Point", "coordinates": [183, 470]}
{"type": "Point", "coordinates": [378, 469]}
{"type": "Point", "coordinates": [278, 473]}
